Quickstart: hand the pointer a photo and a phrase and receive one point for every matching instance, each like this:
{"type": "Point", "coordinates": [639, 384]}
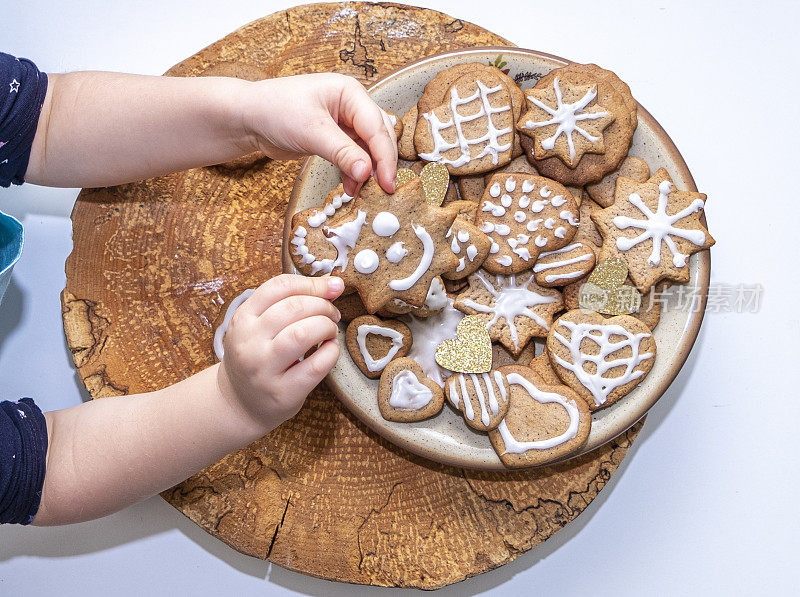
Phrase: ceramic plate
{"type": "Point", "coordinates": [446, 438]}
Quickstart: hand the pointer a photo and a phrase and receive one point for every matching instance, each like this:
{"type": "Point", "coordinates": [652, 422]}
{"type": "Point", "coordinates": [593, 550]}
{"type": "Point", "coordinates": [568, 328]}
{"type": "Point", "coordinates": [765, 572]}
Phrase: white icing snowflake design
{"type": "Point", "coordinates": [566, 116]}
{"type": "Point", "coordinates": [491, 138]}
{"type": "Point", "coordinates": [511, 300]}
{"type": "Point", "coordinates": [659, 226]}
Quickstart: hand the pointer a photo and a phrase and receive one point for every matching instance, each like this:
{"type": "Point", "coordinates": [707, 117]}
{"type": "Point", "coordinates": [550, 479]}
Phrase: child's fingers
{"type": "Point", "coordinates": [308, 373]}
{"type": "Point", "coordinates": [365, 117]}
{"type": "Point", "coordinates": [390, 129]}
{"type": "Point", "coordinates": [333, 144]}
{"type": "Point", "coordinates": [295, 308]}
{"type": "Point", "coordinates": [285, 285]}
{"type": "Point", "coordinates": [295, 340]}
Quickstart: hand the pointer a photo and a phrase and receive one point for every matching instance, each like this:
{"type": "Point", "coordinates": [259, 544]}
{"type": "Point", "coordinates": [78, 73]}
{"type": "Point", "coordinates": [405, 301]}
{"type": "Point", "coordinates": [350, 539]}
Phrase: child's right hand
{"type": "Point", "coordinates": [261, 373]}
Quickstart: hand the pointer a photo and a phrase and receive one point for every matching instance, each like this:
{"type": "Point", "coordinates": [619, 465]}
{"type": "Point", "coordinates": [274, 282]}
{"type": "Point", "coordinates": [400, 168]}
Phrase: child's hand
{"type": "Point", "coordinates": [330, 115]}
{"type": "Point", "coordinates": [283, 319]}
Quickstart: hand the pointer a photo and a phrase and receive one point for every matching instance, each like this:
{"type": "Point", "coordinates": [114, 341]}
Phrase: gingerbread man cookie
{"type": "Point", "coordinates": [514, 308]}
{"type": "Point", "coordinates": [406, 395]}
{"type": "Point", "coordinates": [653, 228]}
{"type": "Point", "coordinates": [373, 343]}
{"type": "Point", "coordinates": [524, 215]}
{"type": "Point", "coordinates": [601, 359]}
{"type": "Point", "coordinates": [544, 422]}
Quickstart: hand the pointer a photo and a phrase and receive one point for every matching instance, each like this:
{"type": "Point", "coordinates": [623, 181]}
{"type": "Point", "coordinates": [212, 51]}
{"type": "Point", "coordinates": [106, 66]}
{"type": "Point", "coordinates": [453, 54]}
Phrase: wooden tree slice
{"type": "Point", "coordinates": [153, 266]}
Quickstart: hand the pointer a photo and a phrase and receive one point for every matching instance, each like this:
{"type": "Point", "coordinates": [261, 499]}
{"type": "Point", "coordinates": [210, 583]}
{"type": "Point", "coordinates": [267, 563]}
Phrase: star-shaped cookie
{"type": "Point", "coordinates": [563, 121]}
{"type": "Point", "coordinates": [653, 228]}
{"type": "Point", "coordinates": [391, 246]}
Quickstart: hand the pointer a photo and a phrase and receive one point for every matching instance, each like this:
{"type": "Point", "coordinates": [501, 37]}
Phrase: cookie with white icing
{"type": "Point", "coordinates": [632, 167]}
{"type": "Point", "coordinates": [481, 398]}
{"type": "Point", "coordinates": [524, 216]}
{"type": "Point", "coordinates": [374, 343]}
{"type": "Point", "coordinates": [470, 246]}
{"type": "Point", "coordinates": [514, 308]}
{"type": "Point", "coordinates": [653, 228]}
{"type": "Point", "coordinates": [389, 246]}
{"type": "Point", "coordinates": [405, 395]}
{"type": "Point", "coordinates": [579, 124]}
{"type": "Point", "coordinates": [601, 359]}
{"type": "Point", "coordinates": [472, 130]}
{"type": "Point", "coordinates": [565, 265]}
{"type": "Point", "coordinates": [396, 122]}
{"type": "Point", "coordinates": [544, 422]}
{"type": "Point", "coordinates": [434, 302]}
{"type": "Point", "coordinates": [222, 328]}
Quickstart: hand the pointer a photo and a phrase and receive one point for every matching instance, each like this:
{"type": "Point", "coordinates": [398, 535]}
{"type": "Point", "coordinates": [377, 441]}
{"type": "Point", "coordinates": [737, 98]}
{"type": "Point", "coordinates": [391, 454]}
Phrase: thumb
{"type": "Point", "coordinates": [333, 144]}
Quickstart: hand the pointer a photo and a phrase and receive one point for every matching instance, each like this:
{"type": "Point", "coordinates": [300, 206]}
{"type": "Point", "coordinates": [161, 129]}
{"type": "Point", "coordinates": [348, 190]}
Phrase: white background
{"type": "Point", "coordinates": [705, 501]}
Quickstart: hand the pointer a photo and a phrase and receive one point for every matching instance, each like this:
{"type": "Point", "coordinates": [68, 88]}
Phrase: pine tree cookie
{"type": "Point", "coordinates": [405, 395]}
{"type": "Point", "coordinates": [579, 124]}
{"type": "Point", "coordinates": [481, 398]}
{"type": "Point", "coordinates": [544, 422]}
{"type": "Point", "coordinates": [653, 228]}
{"type": "Point", "coordinates": [387, 247]}
{"type": "Point", "coordinates": [514, 308]}
{"type": "Point", "coordinates": [601, 359]}
{"type": "Point", "coordinates": [632, 167]}
{"type": "Point", "coordinates": [373, 343]}
{"type": "Point", "coordinates": [472, 131]}
{"type": "Point", "coordinates": [524, 216]}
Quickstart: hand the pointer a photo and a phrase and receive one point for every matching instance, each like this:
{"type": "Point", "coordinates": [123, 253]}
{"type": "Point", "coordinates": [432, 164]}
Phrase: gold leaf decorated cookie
{"type": "Point", "coordinates": [544, 422]}
{"type": "Point", "coordinates": [470, 351]}
{"type": "Point", "coordinates": [601, 359]}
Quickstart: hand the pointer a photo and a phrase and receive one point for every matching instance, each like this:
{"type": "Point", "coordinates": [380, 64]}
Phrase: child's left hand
{"type": "Point", "coordinates": [330, 115]}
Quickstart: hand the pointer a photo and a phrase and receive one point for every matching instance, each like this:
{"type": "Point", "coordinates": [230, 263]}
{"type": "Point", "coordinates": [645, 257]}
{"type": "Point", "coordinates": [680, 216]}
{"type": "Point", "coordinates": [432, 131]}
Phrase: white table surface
{"type": "Point", "coordinates": [705, 501]}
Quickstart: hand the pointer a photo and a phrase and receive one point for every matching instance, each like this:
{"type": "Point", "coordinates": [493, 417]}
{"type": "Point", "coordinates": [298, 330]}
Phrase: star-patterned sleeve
{"type": "Point", "coordinates": [22, 91]}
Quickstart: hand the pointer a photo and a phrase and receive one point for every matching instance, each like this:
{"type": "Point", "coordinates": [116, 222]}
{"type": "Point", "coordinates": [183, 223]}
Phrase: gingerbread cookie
{"type": "Point", "coordinates": [514, 308]}
{"type": "Point", "coordinates": [587, 231]}
{"type": "Point", "coordinates": [481, 398]}
{"type": "Point", "coordinates": [541, 366]}
{"type": "Point", "coordinates": [632, 167]}
{"type": "Point", "coordinates": [524, 215]}
{"type": "Point", "coordinates": [396, 122]}
{"type": "Point", "coordinates": [222, 328]}
{"type": "Point", "coordinates": [472, 131]}
{"type": "Point", "coordinates": [519, 165]}
{"type": "Point", "coordinates": [653, 228]}
{"type": "Point", "coordinates": [544, 423]}
{"type": "Point", "coordinates": [470, 245]}
{"type": "Point", "coordinates": [406, 395]}
{"type": "Point", "coordinates": [565, 265]}
{"type": "Point", "coordinates": [601, 359]}
{"type": "Point", "coordinates": [470, 188]}
{"type": "Point", "coordinates": [350, 306]}
{"type": "Point", "coordinates": [428, 334]}
{"type": "Point", "coordinates": [387, 246]}
{"type": "Point", "coordinates": [466, 210]}
{"type": "Point", "coordinates": [405, 141]}
{"type": "Point", "coordinates": [649, 311]}
{"type": "Point", "coordinates": [579, 125]}
{"type": "Point", "coordinates": [434, 302]}
{"type": "Point", "coordinates": [501, 356]}
{"type": "Point", "coordinates": [374, 342]}
{"type": "Point", "coordinates": [450, 194]}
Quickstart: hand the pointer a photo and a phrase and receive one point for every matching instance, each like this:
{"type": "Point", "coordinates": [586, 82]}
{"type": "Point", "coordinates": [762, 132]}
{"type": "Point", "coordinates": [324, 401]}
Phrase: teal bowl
{"type": "Point", "coordinates": [11, 238]}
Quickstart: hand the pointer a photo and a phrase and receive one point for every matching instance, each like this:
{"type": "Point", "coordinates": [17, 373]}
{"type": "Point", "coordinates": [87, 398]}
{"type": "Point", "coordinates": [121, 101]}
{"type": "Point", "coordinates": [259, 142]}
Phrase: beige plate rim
{"type": "Point", "coordinates": [686, 340]}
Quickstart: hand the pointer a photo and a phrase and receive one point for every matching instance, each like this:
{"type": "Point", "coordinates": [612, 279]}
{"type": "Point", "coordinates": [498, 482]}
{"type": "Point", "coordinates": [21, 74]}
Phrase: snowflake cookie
{"type": "Point", "coordinates": [601, 359]}
{"type": "Point", "coordinates": [514, 308]}
{"type": "Point", "coordinates": [524, 215]}
{"type": "Point", "coordinates": [653, 228]}
{"type": "Point", "coordinates": [545, 422]}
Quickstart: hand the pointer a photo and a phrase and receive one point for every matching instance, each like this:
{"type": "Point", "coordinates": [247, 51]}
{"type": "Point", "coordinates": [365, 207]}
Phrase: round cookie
{"type": "Point", "coordinates": [405, 395]}
{"type": "Point", "coordinates": [601, 359]}
{"type": "Point", "coordinates": [374, 343]}
{"type": "Point", "coordinates": [565, 265]}
{"type": "Point", "coordinates": [481, 398]}
{"type": "Point", "coordinates": [544, 422]}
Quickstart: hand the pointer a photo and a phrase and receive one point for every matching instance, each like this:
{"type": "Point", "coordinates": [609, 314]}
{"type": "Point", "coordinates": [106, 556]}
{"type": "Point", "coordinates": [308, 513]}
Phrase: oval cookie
{"type": "Point", "coordinates": [565, 265]}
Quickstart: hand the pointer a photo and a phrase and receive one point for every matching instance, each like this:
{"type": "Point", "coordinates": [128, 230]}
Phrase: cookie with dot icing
{"type": "Point", "coordinates": [388, 246]}
{"type": "Point", "coordinates": [544, 423]}
{"type": "Point", "coordinates": [472, 130]}
{"type": "Point", "coordinates": [514, 308]}
{"type": "Point", "coordinates": [565, 265]}
{"type": "Point", "coordinates": [579, 124]}
{"type": "Point", "coordinates": [482, 398]}
{"type": "Point", "coordinates": [601, 359]}
{"type": "Point", "coordinates": [470, 245]}
{"type": "Point", "coordinates": [405, 395]}
{"type": "Point", "coordinates": [374, 343]}
{"type": "Point", "coordinates": [524, 216]}
{"type": "Point", "coordinates": [653, 228]}
{"type": "Point", "coordinates": [632, 167]}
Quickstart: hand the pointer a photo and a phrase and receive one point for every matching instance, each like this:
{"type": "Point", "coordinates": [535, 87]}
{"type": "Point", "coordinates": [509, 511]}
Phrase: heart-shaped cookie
{"type": "Point", "coordinates": [470, 351]}
{"type": "Point", "coordinates": [481, 398]}
{"type": "Point", "coordinates": [374, 343]}
{"type": "Point", "coordinates": [435, 180]}
{"type": "Point", "coordinates": [601, 359]}
{"type": "Point", "coordinates": [405, 394]}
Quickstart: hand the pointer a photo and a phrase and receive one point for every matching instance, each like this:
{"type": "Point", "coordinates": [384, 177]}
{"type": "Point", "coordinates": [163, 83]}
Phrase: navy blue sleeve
{"type": "Point", "coordinates": [23, 447]}
{"type": "Point", "coordinates": [22, 91]}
